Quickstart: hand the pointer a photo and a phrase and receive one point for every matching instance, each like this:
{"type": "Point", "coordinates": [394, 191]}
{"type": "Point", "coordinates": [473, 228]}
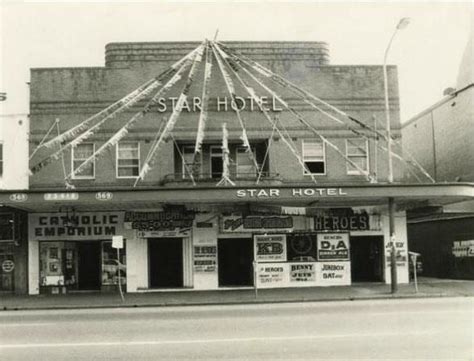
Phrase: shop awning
{"type": "Point", "coordinates": [406, 196]}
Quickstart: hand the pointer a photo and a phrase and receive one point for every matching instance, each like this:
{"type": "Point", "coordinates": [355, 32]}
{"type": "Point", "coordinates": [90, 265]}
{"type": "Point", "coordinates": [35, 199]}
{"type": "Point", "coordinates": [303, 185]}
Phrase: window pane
{"type": "Point", "coordinates": [361, 163]}
{"type": "Point", "coordinates": [87, 172]}
{"type": "Point", "coordinates": [128, 162]}
{"type": "Point", "coordinates": [83, 151]}
{"type": "Point", "coordinates": [356, 147]}
{"type": "Point", "coordinates": [315, 167]}
{"type": "Point", "coordinates": [313, 149]}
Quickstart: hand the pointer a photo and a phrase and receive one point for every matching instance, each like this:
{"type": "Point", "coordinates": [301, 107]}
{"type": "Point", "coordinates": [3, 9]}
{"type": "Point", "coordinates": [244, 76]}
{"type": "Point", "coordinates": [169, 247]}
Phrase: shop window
{"type": "Point", "coordinates": [79, 154]}
{"type": "Point", "coordinates": [314, 157]}
{"type": "Point", "coordinates": [1, 159]}
{"type": "Point", "coordinates": [357, 150]}
{"type": "Point", "coordinates": [245, 164]}
{"type": "Point", "coordinates": [128, 160]}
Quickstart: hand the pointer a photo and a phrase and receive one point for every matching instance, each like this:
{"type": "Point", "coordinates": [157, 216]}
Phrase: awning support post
{"type": "Point", "coordinates": [393, 250]}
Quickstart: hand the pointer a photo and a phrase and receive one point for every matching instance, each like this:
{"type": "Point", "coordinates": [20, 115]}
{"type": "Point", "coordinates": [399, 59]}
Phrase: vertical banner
{"type": "Point", "coordinates": [270, 248]}
{"type": "Point", "coordinates": [333, 247]}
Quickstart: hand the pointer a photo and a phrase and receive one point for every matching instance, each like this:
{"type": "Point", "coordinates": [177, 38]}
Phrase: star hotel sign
{"type": "Point", "coordinates": [294, 192]}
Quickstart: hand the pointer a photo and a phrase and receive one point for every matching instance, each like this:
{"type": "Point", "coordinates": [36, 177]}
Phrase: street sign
{"type": "Point", "coordinates": [8, 265]}
{"type": "Point", "coordinates": [117, 241]}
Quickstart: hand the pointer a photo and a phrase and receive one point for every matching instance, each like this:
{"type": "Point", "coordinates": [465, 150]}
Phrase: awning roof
{"type": "Point", "coordinates": [406, 196]}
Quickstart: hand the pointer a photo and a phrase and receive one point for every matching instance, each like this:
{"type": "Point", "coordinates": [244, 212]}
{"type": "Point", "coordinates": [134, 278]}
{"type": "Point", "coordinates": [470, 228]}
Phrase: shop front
{"type": "Point", "coordinates": [73, 252]}
{"type": "Point", "coordinates": [13, 254]}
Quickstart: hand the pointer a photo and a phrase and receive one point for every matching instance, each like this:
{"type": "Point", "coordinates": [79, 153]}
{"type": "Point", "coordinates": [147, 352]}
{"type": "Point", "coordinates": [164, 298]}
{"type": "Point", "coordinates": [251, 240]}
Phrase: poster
{"type": "Point", "coordinates": [271, 275]}
{"type": "Point", "coordinates": [205, 258]}
{"type": "Point", "coordinates": [333, 273]}
{"type": "Point", "coordinates": [333, 247]}
{"type": "Point", "coordinates": [302, 272]}
{"type": "Point", "coordinates": [270, 248]}
{"type": "Point", "coordinates": [256, 223]}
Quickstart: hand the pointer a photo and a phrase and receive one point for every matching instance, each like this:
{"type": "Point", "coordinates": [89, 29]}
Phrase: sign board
{"type": "Point", "coordinates": [256, 223]}
{"type": "Point", "coordinates": [333, 247]}
{"type": "Point", "coordinates": [333, 273]}
{"type": "Point", "coordinates": [345, 219]}
{"type": "Point", "coordinates": [8, 266]}
{"type": "Point", "coordinates": [302, 272]}
{"type": "Point", "coordinates": [205, 258]}
{"type": "Point", "coordinates": [158, 221]}
{"type": "Point", "coordinates": [463, 248]}
{"type": "Point", "coordinates": [272, 275]}
{"type": "Point", "coordinates": [164, 234]}
{"type": "Point", "coordinates": [75, 227]}
{"type": "Point", "coordinates": [270, 248]}
{"type": "Point", "coordinates": [117, 242]}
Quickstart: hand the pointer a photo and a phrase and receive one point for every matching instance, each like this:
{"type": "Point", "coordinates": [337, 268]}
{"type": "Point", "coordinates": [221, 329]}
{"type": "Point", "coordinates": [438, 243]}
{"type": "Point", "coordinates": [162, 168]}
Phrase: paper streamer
{"type": "Point", "coordinates": [173, 118]}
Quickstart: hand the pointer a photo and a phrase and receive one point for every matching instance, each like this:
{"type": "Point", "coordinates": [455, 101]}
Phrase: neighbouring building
{"type": "Point", "coordinates": [13, 221]}
{"type": "Point", "coordinates": [441, 136]}
{"type": "Point", "coordinates": [206, 222]}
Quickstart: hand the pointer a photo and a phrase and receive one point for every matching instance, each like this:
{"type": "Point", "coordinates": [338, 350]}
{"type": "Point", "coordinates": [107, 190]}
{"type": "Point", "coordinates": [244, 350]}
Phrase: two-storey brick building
{"type": "Point", "coordinates": [300, 215]}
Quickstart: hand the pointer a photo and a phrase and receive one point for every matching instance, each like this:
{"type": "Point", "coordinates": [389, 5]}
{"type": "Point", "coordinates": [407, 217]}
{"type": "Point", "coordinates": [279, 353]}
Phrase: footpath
{"type": "Point", "coordinates": [427, 287]}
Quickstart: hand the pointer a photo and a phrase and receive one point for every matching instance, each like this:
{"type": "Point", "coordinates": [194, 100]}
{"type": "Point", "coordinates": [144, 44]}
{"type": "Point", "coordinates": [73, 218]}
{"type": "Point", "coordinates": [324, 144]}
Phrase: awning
{"type": "Point", "coordinates": [406, 196]}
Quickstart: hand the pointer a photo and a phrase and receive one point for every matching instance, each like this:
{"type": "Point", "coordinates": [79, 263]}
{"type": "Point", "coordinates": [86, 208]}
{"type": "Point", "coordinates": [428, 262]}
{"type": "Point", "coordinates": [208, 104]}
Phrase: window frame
{"type": "Point", "coordinates": [348, 165]}
{"type": "Point", "coordinates": [79, 176]}
{"type": "Point", "coordinates": [184, 174]}
{"type": "Point", "coordinates": [237, 149]}
{"type": "Point", "coordinates": [117, 160]}
{"type": "Point", "coordinates": [217, 155]}
{"type": "Point", "coordinates": [305, 172]}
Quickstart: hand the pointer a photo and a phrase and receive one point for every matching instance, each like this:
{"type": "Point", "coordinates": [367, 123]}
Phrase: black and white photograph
{"type": "Point", "coordinates": [234, 180]}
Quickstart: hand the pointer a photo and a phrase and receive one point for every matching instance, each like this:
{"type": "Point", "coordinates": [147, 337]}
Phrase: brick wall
{"type": "Point", "coordinates": [73, 94]}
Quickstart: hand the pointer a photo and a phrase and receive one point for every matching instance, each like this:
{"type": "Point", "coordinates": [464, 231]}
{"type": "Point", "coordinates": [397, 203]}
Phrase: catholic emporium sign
{"type": "Point", "coordinates": [79, 226]}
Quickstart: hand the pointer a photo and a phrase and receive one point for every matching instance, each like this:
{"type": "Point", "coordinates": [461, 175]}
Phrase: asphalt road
{"type": "Point", "coordinates": [428, 329]}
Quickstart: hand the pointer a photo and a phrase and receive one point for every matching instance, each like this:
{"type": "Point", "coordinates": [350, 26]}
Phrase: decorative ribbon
{"type": "Point", "coordinates": [304, 122]}
{"type": "Point", "coordinates": [225, 158]}
{"type": "Point", "coordinates": [118, 105]}
{"type": "Point", "coordinates": [122, 132]}
{"type": "Point", "coordinates": [220, 57]}
{"type": "Point", "coordinates": [205, 103]}
{"type": "Point", "coordinates": [174, 116]}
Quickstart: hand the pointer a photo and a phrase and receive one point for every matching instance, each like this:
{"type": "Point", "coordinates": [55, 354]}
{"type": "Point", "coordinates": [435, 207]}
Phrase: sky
{"type": "Point", "coordinates": [68, 34]}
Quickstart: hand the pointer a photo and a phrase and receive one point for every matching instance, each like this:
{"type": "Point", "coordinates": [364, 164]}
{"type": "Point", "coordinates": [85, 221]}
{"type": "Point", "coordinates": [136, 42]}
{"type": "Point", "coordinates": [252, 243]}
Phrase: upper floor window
{"type": "Point", "coordinates": [357, 150]}
{"type": "Point", "coordinates": [244, 163]}
{"type": "Point", "coordinates": [79, 154]}
{"type": "Point", "coordinates": [189, 164]}
{"type": "Point", "coordinates": [314, 157]}
{"type": "Point", "coordinates": [216, 161]}
{"type": "Point", "coordinates": [128, 160]}
{"type": "Point", "coordinates": [1, 159]}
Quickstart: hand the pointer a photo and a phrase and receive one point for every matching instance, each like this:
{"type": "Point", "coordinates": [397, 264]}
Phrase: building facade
{"type": "Point", "coordinates": [13, 222]}
{"type": "Point", "coordinates": [441, 137]}
{"type": "Point", "coordinates": [310, 221]}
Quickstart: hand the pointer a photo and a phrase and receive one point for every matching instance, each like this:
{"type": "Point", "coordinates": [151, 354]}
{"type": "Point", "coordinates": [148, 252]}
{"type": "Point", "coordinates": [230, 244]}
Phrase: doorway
{"type": "Point", "coordinates": [367, 258]}
{"type": "Point", "coordinates": [89, 265]}
{"type": "Point", "coordinates": [165, 262]}
{"type": "Point", "coordinates": [235, 259]}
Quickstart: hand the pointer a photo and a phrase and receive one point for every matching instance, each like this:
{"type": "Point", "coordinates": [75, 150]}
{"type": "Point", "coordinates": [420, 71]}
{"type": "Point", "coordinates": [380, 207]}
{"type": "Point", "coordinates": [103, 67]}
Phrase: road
{"type": "Point", "coordinates": [428, 329]}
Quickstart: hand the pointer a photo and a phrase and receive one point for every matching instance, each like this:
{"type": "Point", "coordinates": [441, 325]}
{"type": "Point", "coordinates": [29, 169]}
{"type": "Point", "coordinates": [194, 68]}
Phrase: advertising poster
{"type": "Point", "coordinates": [270, 248]}
{"type": "Point", "coordinates": [333, 247]}
{"type": "Point", "coordinates": [302, 272]}
{"type": "Point", "coordinates": [256, 223]}
{"type": "Point", "coordinates": [333, 273]}
{"type": "Point", "coordinates": [205, 258]}
{"type": "Point", "coordinates": [272, 275]}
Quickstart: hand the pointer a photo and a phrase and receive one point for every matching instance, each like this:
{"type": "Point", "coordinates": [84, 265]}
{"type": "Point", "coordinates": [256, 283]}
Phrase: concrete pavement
{"type": "Point", "coordinates": [427, 288]}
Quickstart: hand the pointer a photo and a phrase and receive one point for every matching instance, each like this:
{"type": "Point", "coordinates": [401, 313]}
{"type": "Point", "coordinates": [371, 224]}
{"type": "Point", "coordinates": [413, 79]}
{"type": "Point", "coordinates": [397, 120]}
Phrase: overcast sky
{"type": "Point", "coordinates": [428, 52]}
